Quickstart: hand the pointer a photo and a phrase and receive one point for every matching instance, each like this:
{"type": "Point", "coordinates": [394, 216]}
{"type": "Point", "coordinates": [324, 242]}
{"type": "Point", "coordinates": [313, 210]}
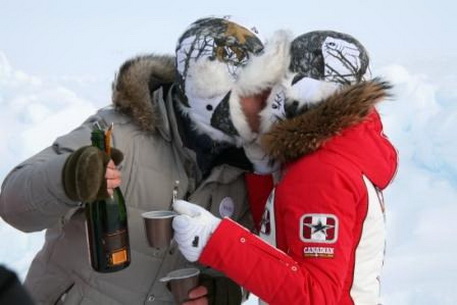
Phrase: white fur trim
{"type": "Point", "coordinates": [262, 73]}
{"type": "Point", "coordinates": [267, 69]}
{"type": "Point", "coordinates": [207, 79]}
{"type": "Point", "coordinates": [311, 91]}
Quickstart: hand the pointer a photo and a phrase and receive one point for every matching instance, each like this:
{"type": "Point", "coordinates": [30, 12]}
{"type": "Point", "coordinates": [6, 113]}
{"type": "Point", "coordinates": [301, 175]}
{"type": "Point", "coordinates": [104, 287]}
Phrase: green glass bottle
{"type": "Point", "coordinates": [107, 228]}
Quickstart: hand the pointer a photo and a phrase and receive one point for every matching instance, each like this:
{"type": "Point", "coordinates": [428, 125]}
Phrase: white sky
{"type": "Point", "coordinates": [57, 62]}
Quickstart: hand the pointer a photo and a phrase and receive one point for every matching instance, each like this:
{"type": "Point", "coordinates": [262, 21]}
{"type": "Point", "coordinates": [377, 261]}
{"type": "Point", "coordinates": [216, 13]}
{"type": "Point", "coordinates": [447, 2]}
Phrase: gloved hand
{"type": "Point", "coordinates": [261, 163]}
{"type": "Point", "coordinates": [84, 173]}
{"type": "Point", "coordinates": [192, 228]}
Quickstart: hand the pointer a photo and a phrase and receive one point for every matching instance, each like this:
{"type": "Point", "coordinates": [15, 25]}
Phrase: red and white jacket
{"type": "Point", "coordinates": [323, 225]}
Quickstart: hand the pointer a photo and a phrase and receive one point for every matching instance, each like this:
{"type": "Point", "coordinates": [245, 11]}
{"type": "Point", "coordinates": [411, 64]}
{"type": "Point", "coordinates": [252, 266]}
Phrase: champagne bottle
{"type": "Point", "coordinates": [107, 228]}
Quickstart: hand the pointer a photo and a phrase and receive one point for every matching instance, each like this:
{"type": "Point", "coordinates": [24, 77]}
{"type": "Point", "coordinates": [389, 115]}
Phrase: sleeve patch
{"type": "Point", "coordinates": [319, 228]}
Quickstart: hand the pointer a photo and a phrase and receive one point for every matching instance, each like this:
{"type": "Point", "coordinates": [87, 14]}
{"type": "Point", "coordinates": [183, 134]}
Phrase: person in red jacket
{"type": "Point", "coordinates": [322, 235]}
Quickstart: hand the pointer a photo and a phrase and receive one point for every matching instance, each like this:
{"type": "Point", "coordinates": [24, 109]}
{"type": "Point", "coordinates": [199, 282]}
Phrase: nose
{"type": "Point", "coordinates": [252, 106]}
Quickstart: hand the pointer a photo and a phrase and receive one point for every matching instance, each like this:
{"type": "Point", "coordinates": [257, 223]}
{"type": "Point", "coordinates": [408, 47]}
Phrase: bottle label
{"type": "Point", "coordinates": [115, 245]}
{"type": "Point", "coordinates": [119, 257]}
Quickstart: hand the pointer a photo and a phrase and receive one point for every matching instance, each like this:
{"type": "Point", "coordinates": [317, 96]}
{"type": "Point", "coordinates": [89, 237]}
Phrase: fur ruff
{"type": "Point", "coordinates": [292, 138]}
{"type": "Point", "coordinates": [134, 84]}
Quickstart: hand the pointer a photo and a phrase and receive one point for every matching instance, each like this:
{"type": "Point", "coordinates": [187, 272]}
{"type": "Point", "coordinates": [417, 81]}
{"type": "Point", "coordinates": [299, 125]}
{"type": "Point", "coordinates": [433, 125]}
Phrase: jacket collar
{"type": "Point", "coordinates": [303, 134]}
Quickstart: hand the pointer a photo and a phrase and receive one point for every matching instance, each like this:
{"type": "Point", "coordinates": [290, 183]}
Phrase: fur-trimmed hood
{"type": "Point", "coordinates": [135, 83]}
{"type": "Point", "coordinates": [292, 138]}
{"type": "Point", "coordinates": [345, 123]}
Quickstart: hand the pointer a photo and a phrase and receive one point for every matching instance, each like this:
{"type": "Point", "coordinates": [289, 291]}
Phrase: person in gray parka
{"type": "Point", "coordinates": [169, 127]}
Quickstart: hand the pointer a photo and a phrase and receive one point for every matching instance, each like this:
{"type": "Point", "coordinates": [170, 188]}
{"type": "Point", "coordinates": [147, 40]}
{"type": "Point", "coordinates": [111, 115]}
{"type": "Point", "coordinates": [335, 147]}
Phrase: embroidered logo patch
{"type": "Point", "coordinates": [319, 228]}
{"type": "Point", "coordinates": [325, 252]}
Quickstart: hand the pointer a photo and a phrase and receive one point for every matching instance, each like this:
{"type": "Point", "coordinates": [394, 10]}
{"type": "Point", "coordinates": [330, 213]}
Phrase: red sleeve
{"type": "Point", "coordinates": [259, 188]}
{"type": "Point", "coordinates": [292, 278]}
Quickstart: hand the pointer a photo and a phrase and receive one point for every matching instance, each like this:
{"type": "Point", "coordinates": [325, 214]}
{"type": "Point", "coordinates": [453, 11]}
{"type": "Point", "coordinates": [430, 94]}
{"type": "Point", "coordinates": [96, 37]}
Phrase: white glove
{"type": "Point", "coordinates": [260, 161]}
{"type": "Point", "coordinates": [193, 228]}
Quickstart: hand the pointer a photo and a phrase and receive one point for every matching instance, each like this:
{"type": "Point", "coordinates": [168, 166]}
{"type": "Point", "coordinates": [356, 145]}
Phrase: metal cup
{"type": "Point", "coordinates": [181, 282]}
{"type": "Point", "coordinates": [158, 227]}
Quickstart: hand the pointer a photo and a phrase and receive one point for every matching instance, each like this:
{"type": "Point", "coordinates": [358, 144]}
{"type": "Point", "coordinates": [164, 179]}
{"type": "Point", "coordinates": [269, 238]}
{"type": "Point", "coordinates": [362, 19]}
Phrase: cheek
{"type": "Point", "coordinates": [251, 109]}
{"type": "Point", "coordinates": [253, 105]}
{"type": "Point", "coordinates": [251, 112]}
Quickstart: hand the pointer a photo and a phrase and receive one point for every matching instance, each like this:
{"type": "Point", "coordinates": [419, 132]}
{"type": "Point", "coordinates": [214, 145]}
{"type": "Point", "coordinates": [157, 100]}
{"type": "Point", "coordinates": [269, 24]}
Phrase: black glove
{"type": "Point", "coordinates": [221, 290]}
{"type": "Point", "coordinates": [83, 174]}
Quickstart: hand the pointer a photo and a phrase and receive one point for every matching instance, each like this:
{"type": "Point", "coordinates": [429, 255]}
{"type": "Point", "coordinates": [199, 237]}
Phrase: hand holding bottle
{"type": "Point", "coordinates": [113, 177]}
{"type": "Point", "coordinates": [107, 227]}
{"type": "Point", "coordinates": [90, 174]}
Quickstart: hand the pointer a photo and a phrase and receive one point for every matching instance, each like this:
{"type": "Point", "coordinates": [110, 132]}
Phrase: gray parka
{"type": "Point", "coordinates": [145, 130]}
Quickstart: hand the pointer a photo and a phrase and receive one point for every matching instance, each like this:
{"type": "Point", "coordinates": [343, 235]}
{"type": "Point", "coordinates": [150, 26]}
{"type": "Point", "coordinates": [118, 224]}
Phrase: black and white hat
{"type": "Point", "coordinates": [329, 56]}
{"type": "Point", "coordinates": [209, 57]}
{"type": "Point", "coordinates": [321, 62]}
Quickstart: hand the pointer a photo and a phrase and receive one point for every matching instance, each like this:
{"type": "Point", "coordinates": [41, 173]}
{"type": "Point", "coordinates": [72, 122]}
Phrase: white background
{"type": "Point", "coordinates": [57, 62]}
